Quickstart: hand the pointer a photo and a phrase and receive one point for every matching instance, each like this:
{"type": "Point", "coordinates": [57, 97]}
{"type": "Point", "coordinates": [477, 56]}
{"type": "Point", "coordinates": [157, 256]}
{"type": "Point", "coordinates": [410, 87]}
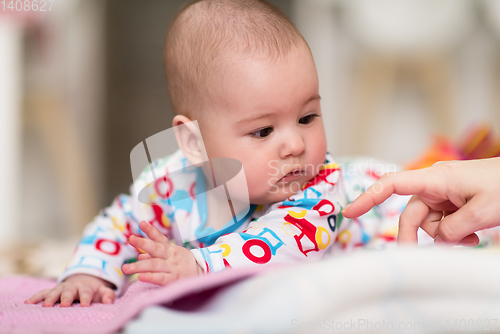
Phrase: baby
{"type": "Point", "coordinates": [242, 70]}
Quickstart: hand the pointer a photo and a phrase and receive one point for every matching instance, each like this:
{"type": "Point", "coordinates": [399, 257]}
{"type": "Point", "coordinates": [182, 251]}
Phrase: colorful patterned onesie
{"type": "Point", "coordinates": [302, 228]}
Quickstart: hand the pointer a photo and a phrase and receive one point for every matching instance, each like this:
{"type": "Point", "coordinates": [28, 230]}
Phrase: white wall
{"type": "Point", "coordinates": [409, 123]}
{"type": "Point", "coordinates": [10, 116]}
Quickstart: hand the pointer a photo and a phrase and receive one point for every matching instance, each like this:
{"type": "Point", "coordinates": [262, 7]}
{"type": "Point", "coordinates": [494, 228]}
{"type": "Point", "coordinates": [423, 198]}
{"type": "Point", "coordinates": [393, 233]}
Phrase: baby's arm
{"type": "Point", "coordinates": [94, 269]}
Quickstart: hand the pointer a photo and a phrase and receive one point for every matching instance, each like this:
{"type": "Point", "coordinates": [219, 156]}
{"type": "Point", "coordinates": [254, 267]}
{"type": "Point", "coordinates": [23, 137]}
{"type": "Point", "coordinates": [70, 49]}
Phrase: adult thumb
{"type": "Point", "coordinates": [458, 225]}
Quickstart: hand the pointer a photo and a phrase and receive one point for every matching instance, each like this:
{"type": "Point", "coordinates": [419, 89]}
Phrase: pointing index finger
{"type": "Point", "coordinates": [402, 183]}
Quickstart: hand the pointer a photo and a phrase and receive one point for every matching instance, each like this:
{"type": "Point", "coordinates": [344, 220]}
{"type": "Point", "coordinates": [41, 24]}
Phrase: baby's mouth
{"type": "Point", "coordinates": [292, 176]}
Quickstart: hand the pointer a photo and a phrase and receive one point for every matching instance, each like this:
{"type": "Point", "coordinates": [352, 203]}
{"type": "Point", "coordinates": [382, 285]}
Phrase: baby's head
{"type": "Point", "coordinates": [244, 72]}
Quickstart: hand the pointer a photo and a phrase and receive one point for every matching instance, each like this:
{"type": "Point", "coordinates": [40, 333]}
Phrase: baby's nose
{"type": "Point", "coordinates": [293, 145]}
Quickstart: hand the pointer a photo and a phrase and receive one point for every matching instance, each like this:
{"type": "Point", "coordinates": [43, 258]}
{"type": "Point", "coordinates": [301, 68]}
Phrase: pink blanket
{"type": "Point", "coordinates": [16, 317]}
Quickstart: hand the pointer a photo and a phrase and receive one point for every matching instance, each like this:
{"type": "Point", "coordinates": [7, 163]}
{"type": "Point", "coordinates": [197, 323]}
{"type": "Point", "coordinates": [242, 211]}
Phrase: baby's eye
{"type": "Point", "coordinates": [308, 119]}
{"type": "Point", "coordinates": [261, 133]}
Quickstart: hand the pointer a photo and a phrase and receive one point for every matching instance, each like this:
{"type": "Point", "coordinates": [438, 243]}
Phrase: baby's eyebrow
{"type": "Point", "coordinates": [314, 97]}
{"type": "Point", "coordinates": [255, 117]}
{"type": "Point", "coordinates": [264, 115]}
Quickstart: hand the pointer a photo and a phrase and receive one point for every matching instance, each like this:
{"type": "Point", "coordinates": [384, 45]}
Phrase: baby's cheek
{"type": "Point", "coordinates": [254, 190]}
{"type": "Point", "coordinates": [316, 145]}
{"type": "Point", "coordinates": [258, 190]}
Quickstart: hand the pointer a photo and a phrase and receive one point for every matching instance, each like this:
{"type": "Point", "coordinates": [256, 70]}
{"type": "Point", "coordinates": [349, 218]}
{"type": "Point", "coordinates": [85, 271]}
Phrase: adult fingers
{"type": "Point", "coordinates": [68, 296]}
{"type": "Point", "coordinates": [157, 278]}
{"type": "Point", "coordinates": [411, 219]}
{"type": "Point", "coordinates": [52, 297]}
{"type": "Point", "coordinates": [37, 297]}
{"type": "Point", "coordinates": [402, 183]}
{"type": "Point", "coordinates": [153, 233]}
{"type": "Point", "coordinates": [472, 240]}
{"type": "Point", "coordinates": [431, 222]}
{"type": "Point", "coordinates": [155, 249]}
{"type": "Point", "coordinates": [458, 225]}
{"type": "Point", "coordinates": [149, 265]}
{"type": "Point", "coordinates": [86, 295]}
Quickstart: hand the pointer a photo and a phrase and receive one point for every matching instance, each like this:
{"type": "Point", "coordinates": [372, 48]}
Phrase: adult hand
{"type": "Point", "coordinates": [85, 288]}
{"type": "Point", "coordinates": [163, 262]}
{"type": "Point", "coordinates": [451, 201]}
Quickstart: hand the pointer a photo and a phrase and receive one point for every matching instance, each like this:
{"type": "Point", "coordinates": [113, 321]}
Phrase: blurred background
{"type": "Point", "coordinates": [82, 83]}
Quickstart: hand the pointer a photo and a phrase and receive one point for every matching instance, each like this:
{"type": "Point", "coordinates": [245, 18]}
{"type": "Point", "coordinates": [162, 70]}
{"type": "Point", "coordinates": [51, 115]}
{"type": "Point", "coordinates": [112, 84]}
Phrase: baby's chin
{"type": "Point", "coordinates": [275, 195]}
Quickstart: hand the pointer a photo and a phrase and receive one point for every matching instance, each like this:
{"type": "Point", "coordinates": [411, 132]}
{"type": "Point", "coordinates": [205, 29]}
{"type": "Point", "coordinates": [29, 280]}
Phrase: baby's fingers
{"type": "Point", "coordinates": [52, 297]}
{"type": "Point", "coordinates": [37, 297]}
{"type": "Point", "coordinates": [105, 295]}
{"type": "Point", "coordinates": [153, 233]}
{"type": "Point", "coordinates": [153, 248]}
{"type": "Point", "coordinates": [144, 266]}
{"type": "Point", "coordinates": [68, 296]}
{"type": "Point", "coordinates": [144, 256]}
{"type": "Point", "coordinates": [157, 278]}
{"type": "Point", "coordinates": [86, 295]}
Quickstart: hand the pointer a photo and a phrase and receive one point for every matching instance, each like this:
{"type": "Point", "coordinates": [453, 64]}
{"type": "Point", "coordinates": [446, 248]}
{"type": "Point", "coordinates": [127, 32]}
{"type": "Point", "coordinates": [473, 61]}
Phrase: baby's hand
{"type": "Point", "coordinates": [85, 288]}
{"type": "Point", "coordinates": [163, 262]}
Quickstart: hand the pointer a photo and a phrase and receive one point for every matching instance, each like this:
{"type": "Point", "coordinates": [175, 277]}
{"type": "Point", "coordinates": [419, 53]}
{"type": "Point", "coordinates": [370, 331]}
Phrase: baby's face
{"type": "Point", "coordinates": [269, 118]}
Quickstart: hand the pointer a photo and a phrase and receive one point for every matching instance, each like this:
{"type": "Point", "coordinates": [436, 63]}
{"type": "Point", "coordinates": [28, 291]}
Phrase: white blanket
{"type": "Point", "coordinates": [413, 290]}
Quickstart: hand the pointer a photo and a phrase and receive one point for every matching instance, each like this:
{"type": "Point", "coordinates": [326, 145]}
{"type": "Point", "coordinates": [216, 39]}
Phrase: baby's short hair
{"type": "Point", "coordinates": [205, 34]}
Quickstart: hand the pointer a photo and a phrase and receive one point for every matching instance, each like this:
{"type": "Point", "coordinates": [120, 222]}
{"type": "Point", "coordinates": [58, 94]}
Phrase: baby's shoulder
{"type": "Point", "coordinates": [162, 166]}
{"type": "Point", "coordinates": [162, 172]}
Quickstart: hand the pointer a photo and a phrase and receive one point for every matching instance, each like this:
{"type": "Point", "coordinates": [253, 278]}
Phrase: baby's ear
{"type": "Point", "coordinates": [189, 139]}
